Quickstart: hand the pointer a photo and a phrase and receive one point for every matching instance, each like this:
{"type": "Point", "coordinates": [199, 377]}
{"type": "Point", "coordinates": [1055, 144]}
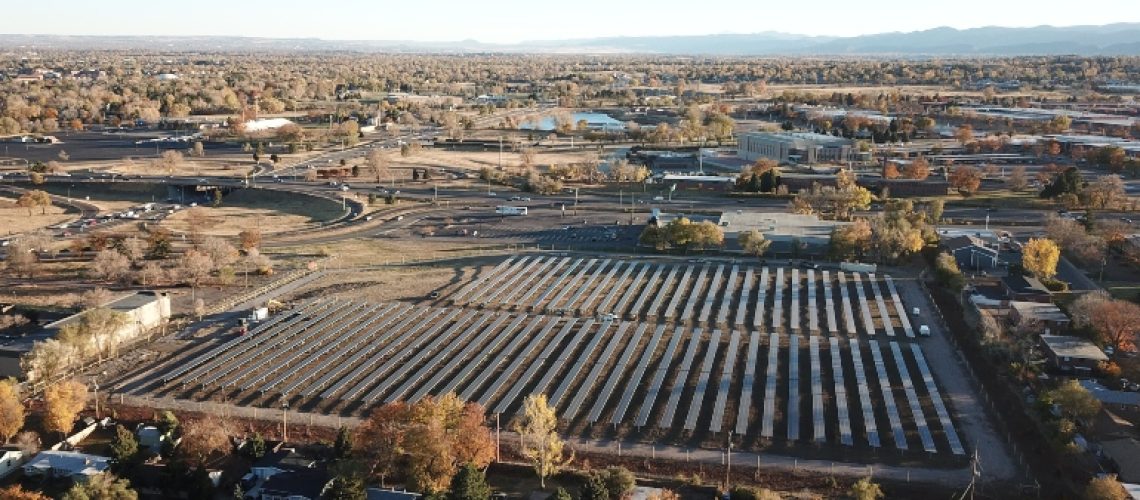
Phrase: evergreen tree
{"type": "Point", "coordinates": [595, 488]}
{"type": "Point", "coordinates": [254, 448]}
{"type": "Point", "coordinates": [342, 448]}
{"type": "Point", "coordinates": [470, 484]}
{"type": "Point", "coordinates": [124, 447]}
{"type": "Point", "coordinates": [346, 487]}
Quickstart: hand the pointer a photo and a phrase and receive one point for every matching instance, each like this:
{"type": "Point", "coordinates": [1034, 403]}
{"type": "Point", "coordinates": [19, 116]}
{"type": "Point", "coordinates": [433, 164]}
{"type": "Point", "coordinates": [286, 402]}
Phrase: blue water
{"type": "Point", "coordinates": [597, 121]}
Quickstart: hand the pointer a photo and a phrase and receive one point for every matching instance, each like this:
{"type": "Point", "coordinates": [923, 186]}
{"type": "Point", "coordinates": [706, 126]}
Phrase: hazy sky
{"type": "Point", "coordinates": [505, 21]}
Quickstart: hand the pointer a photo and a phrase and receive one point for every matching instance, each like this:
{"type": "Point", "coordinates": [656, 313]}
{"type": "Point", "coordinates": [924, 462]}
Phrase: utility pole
{"type": "Point", "coordinates": [284, 418]}
{"type": "Point", "coordinates": [95, 384]}
{"type": "Point", "coordinates": [498, 437]}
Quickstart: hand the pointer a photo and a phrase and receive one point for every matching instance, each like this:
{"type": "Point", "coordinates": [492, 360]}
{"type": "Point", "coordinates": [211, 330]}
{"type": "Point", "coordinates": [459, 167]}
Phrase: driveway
{"type": "Point", "coordinates": [954, 380]}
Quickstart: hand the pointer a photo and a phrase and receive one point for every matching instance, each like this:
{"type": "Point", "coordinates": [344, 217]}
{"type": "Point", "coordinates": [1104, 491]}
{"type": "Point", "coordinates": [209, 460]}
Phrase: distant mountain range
{"type": "Point", "coordinates": [1111, 39]}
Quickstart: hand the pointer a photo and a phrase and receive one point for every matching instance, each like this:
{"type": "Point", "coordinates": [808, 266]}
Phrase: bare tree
{"type": "Point", "coordinates": [95, 297]}
{"type": "Point", "coordinates": [1018, 179]}
{"type": "Point", "coordinates": [110, 265]}
{"type": "Point", "coordinates": [221, 252]}
{"type": "Point", "coordinates": [195, 267]}
{"type": "Point", "coordinates": [378, 161]}
{"type": "Point", "coordinates": [133, 249]}
{"type": "Point", "coordinates": [169, 161]}
{"type": "Point", "coordinates": [150, 274]}
{"type": "Point", "coordinates": [204, 438]}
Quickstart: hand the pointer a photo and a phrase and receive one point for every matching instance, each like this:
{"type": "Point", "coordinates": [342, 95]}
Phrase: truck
{"type": "Point", "coordinates": [505, 210]}
{"type": "Point", "coordinates": [259, 314]}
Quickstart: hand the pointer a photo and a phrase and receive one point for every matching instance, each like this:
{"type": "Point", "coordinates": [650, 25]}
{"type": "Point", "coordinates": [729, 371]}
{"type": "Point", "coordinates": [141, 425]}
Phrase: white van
{"type": "Point", "coordinates": [924, 331]}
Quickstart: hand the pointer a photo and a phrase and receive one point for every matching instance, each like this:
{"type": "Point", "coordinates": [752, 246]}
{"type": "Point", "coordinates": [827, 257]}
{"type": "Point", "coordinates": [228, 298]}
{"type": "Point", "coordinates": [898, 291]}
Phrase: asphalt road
{"type": "Point", "coordinates": [103, 146]}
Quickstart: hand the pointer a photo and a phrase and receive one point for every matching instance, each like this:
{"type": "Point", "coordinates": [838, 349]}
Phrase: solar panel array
{"type": "Point", "coordinates": [597, 370]}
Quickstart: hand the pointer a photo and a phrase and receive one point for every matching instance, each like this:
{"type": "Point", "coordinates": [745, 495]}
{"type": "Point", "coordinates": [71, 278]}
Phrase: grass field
{"type": "Point", "coordinates": [15, 219]}
{"type": "Point", "coordinates": [269, 211]}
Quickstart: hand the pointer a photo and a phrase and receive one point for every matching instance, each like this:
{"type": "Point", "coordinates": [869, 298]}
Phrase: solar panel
{"type": "Point", "coordinates": [702, 382]}
{"type": "Point", "coordinates": [884, 314]}
{"type": "Point", "coordinates": [534, 367]}
{"type": "Point", "coordinates": [768, 424]}
{"type": "Point", "coordinates": [725, 382]}
{"type": "Point", "coordinates": [634, 382]}
{"type": "Point", "coordinates": [671, 310]}
{"type": "Point", "coordinates": [516, 340]}
{"type": "Point", "coordinates": [517, 360]}
{"type": "Point", "coordinates": [680, 381]}
{"type": "Point", "coordinates": [888, 396]}
{"type": "Point", "coordinates": [840, 390]}
{"type": "Point", "coordinates": [912, 398]}
{"type": "Point", "coordinates": [936, 400]}
{"type": "Point", "coordinates": [864, 395]}
{"type": "Point", "coordinates": [659, 377]}
{"type": "Point", "coordinates": [744, 406]}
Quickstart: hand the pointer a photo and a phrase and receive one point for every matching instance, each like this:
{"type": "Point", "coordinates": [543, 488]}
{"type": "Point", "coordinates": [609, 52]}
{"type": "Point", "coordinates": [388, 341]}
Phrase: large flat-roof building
{"type": "Point", "coordinates": [795, 147]}
{"type": "Point", "coordinates": [783, 229]}
{"type": "Point", "coordinates": [144, 311]}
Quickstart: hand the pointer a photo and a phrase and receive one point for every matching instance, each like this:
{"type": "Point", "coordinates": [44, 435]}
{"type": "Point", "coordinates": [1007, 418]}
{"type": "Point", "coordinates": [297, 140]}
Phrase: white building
{"type": "Point", "coordinates": [67, 465]}
{"type": "Point", "coordinates": [10, 459]}
{"type": "Point", "coordinates": [780, 228]}
{"type": "Point", "coordinates": [795, 147]}
{"type": "Point", "coordinates": [266, 124]}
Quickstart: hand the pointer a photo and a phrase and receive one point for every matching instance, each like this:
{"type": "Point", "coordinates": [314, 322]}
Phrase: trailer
{"type": "Point", "coordinates": [857, 267]}
{"type": "Point", "coordinates": [505, 210]}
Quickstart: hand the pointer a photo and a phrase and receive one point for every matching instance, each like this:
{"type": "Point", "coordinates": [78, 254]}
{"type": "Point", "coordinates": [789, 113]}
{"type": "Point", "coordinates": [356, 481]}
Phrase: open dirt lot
{"type": "Point", "coordinates": [15, 220]}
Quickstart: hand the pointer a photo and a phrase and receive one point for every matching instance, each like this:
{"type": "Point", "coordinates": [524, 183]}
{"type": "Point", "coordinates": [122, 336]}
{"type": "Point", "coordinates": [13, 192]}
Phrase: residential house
{"type": "Point", "coordinates": [284, 474]}
{"type": "Point", "coordinates": [1025, 288]}
{"type": "Point", "coordinates": [382, 494]}
{"type": "Point", "coordinates": [1050, 317]}
{"type": "Point", "coordinates": [1124, 456]}
{"type": "Point", "coordinates": [11, 458]}
{"type": "Point", "coordinates": [66, 465]}
{"type": "Point", "coordinates": [971, 252]}
{"type": "Point", "coordinates": [1071, 354]}
{"type": "Point", "coordinates": [307, 484]}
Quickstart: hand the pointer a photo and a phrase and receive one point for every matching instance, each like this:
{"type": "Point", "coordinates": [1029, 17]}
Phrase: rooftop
{"type": "Point", "coordinates": [1106, 395]}
{"type": "Point", "coordinates": [801, 138]}
{"type": "Point", "coordinates": [1126, 453]}
{"type": "Point", "coordinates": [1024, 284]}
{"type": "Point", "coordinates": [124, 304]}
{"type": "Point", "coordinates": [69, 461]}
{"type": "Point", "coordinates": [1039, 311]}
{"type": "Point", "coordinates": [778, 226]}
{"type": "Point", "coordinates": [1073, 347]}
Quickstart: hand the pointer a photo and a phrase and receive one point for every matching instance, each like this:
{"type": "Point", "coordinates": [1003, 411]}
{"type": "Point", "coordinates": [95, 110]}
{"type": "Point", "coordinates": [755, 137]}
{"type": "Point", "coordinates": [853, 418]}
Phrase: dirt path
{"type": "Point", "coordinates": [954, 379]}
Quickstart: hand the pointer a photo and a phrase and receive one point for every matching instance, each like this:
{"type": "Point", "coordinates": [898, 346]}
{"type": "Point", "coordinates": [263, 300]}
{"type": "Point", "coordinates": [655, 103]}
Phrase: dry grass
{"type": "Point", "coordinates": [15, 220]}
{"type": "Point", "coordinates": [229, 221]}
{"type": "Point", "coordinates": [395, 283]}
{"type": "Point", "coordinates": [269, 211]}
